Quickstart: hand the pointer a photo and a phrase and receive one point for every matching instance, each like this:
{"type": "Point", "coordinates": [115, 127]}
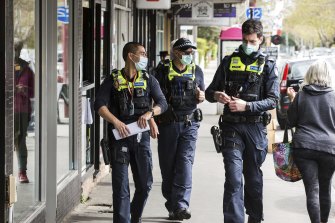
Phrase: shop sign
{"type": "Point", "coordinates": [205, 13]}
{"type": "Point", "coordinates": [63, 14]}
{"type": "Point", "coordinates": [153, 4]}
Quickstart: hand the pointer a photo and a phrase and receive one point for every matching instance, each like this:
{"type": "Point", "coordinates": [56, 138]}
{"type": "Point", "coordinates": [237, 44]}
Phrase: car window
{"type": "Point", "coordinates": [298, 69]}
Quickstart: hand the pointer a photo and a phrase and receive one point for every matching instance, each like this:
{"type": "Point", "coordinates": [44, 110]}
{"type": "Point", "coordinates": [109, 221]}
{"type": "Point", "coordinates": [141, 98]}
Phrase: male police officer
{"type": "Point", "coordinates": [124, 97]}
{"type": "Point", "coordinates": [246, 82]}
{"type": "Point", "coordinates": [182, 83]}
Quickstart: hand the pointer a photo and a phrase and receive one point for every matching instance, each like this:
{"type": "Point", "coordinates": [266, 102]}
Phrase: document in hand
{"type": "Point", "coordinates": [133, 128]}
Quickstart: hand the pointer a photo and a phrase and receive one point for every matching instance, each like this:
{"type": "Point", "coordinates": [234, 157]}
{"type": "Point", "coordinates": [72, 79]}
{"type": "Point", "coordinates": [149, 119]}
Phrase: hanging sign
{"type": "Point", "coordinates": [153, 4]}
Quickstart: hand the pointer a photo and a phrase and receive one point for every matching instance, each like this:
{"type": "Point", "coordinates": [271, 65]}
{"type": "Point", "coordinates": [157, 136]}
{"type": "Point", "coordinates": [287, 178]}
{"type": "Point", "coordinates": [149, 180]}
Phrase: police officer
{"type": "Point", "coordinates": [162, 55]}
{"type": "Point", "coordinates": [125, 97]}
{"type": "Point", "coordinates": [246, 83]}
{"type": "Point", "coordinates": [183, 85]}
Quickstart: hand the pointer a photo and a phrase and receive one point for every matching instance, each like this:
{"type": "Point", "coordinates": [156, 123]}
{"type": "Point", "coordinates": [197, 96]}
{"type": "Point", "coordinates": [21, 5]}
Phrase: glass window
{"type": "Point", "coordinates": [25, 93]}
{"type": "Point", "coordinates": [63, 94]}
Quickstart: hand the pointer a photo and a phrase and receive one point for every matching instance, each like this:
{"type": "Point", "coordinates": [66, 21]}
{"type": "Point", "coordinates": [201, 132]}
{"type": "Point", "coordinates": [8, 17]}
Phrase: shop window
{"type": "Point", "coordinates": [25, 107]}
{"type": "Point", "coordinates": [63, 90]}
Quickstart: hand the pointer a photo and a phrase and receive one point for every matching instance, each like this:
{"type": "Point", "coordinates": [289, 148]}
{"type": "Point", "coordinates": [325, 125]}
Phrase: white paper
{"type": "Point", "coordinates": [88, 113]}
{"type": "Point", "coordinates": [133, 128]}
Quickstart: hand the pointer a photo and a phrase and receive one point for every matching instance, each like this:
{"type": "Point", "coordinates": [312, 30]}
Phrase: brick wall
{"type": "Point", "coordinates": [68, 198]}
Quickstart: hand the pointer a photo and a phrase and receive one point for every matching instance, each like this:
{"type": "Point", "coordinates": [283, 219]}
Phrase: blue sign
{"type": "Point", "coordinates": [63, 14]}
{"type": "Point", "coordinates": [256, 13]}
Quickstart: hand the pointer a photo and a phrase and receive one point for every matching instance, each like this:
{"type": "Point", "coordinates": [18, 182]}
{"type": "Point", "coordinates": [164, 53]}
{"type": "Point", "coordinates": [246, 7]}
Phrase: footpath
{"type": "Point", "coordinates": [283, 201]}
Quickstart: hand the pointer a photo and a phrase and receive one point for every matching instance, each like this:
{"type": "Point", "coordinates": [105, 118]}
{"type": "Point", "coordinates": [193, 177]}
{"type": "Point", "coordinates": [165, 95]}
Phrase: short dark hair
{"type": "Point", "coordinates": [130, 47]}
{"type": "Point", "coordinates": [252, 26]}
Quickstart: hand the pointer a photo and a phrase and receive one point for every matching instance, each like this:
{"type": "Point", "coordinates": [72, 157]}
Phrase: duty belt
{"type": "Point", "coordinates": [187, 119]}
{"type": "Point", "coordinates": [241, 119]}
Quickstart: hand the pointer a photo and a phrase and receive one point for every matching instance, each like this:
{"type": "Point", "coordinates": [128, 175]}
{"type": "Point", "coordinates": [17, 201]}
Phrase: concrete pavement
{"type": "Point", "coordinates": [283, 201]}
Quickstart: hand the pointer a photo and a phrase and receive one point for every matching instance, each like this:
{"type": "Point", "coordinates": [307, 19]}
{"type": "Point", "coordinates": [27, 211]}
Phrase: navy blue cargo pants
{"type": "Point", "coordinates": [176, 150]}
{"type": "Point", "coordinates": [136, 151]}
{"type": "Point", "coordinates": [244, 149]}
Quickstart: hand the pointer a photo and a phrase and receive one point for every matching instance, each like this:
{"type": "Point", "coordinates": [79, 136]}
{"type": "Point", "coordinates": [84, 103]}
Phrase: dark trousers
{"type": "Point", "coordinates": [21, 121]}
{"type": "Point", "coordinates": [244, 150]}
{"type": "Point", "coordinates": [176, 150]}
{"type": "Point", "coordinates": [138, 154]}
{"type": "Point", "coordinates": [317, 169]}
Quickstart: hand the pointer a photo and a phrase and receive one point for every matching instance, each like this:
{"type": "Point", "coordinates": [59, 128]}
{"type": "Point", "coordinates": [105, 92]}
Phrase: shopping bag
{"type": "Point", "coordinates": [285, 167]}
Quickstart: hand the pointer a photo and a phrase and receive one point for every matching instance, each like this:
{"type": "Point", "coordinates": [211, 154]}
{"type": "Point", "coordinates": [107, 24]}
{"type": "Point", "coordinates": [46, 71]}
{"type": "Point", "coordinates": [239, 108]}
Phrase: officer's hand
{"type": "Point", "coordinates": [153, 128]}
{"type": "Point", "coordinates": [143, 120]}
{"type": "Point", "coordinates": [122, 129]}
{"type": "Point", "coordinates": [237, 105]}
{"type": "Point", "coordinates": [221, 97]}
{"type": "Point", "coordinates": [291, 93]}
{"type": "Point", "coordinates": [200, 95]}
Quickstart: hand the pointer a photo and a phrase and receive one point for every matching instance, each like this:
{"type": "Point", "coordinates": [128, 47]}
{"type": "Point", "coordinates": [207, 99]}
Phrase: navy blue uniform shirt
{"type": "Point", "coordinates": [271, 82]}
{"type": "Point", "coordinates": [107, 90]}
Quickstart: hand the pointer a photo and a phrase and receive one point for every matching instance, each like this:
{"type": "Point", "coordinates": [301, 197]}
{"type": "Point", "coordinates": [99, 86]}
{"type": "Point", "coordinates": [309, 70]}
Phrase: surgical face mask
{"type": "Point", "coordinates": [249, 49]}
{"type": "Point", "coordinates": [142, 64]}
{"type": "Point", "coordinates": [186, 59]}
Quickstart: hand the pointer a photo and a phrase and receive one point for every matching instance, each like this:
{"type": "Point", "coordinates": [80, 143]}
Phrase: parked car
{"type": "Point", "coordinates": [292, 75]}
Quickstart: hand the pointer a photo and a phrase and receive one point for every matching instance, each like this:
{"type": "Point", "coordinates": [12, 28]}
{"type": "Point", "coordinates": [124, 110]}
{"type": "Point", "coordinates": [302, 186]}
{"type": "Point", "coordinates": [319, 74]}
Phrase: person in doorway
{"type": "Point", "coordinates": [246, 83]}
{"type": "Point", "coordinates": [162, 55]}
{"type": "Point", "coordinates": [312, 113]}
{"type": "Point", "coordinates": [125, 97]}
{"type": "Point", "coordinates": [182, 83]}
{"type": "Point", "coordinates": [23, 92]}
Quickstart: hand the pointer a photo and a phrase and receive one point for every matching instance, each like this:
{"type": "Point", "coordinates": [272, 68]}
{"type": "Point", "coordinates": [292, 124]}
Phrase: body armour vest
{"type": "Point", "coordinates": [245, 81]}
{"type": "Point", "coordinates": [132, 97]}
{"type": "Point", "coordinates": [181, 88]}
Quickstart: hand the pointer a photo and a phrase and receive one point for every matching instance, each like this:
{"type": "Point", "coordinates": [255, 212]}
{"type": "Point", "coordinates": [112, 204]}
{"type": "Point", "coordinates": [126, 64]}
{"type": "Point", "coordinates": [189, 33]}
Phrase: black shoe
{"type": "Point", "coordinates": [252, 220]}
{"type": "Point", "coordinates": [182, 213]}
{"type": "Point", "coordinates": [138, 220]}
{"type": "Point", "coordinates": [172, 216]}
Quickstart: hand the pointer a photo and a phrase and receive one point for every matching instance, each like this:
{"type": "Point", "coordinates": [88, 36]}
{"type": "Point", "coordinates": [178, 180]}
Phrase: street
{"type": "Point", "coordinates": [283, 201]}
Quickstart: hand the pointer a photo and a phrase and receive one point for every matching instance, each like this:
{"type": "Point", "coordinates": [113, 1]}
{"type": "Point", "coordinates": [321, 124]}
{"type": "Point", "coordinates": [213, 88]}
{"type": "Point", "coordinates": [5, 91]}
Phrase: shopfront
{"type": "Point", "coordinates": [53, 56]}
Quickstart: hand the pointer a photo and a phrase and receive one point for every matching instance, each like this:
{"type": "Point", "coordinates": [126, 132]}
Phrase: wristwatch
{"type": "Point", "coordinates": [247, 106]}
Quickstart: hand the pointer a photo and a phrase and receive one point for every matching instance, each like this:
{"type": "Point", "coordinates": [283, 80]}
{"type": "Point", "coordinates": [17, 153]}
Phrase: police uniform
{"type": "Point", "coordinates": [178, 128]}
{"type": "Point", "coordinates": [128, 100]}
{"type": "Point", "coordinates": [244, 144]}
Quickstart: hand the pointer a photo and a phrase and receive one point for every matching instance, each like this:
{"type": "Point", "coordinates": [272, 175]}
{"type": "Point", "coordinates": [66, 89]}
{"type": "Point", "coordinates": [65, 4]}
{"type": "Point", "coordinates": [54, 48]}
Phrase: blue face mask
{"type": "Point", "coordinates": [186, 59]}
{"type": "Point", "coordinates": [249, 49]}
{"type": "Point", "coordinates": [142, 64]}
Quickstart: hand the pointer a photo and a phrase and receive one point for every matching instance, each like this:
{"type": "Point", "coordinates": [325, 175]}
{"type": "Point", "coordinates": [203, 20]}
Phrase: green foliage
{"type": "Point", "coordinates": [207, 43]}
{"type": "Point", "coordinates": [312, 21]}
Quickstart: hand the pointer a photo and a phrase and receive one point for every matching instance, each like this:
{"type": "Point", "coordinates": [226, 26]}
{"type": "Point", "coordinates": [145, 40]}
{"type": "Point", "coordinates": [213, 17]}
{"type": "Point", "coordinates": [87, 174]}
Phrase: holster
{"type": "Point", "coordinates": [217, 138]}
{"type": "Point", "coordinates": [106, 152]}
{"type": "Point", "coordinates": [266, 118]}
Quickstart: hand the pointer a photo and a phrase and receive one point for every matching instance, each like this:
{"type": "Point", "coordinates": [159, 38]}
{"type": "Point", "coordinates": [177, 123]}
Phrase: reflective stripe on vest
{"type": "Point", "coordinates": [120, 83]}
{"type": "Point", "coordinates": [189, 72]}
{"type": "Point", "coordinates": [236, 64]}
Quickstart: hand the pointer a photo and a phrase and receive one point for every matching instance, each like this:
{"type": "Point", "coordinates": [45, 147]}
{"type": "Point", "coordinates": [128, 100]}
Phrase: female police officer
{"type": "Point", "coordinates": [246, 82]}
{"type": "Point", "coordinates": [124, 97]}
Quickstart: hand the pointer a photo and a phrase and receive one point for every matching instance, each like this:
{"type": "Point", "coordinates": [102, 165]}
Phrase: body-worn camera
{"type": "Point", "coordinates": [216, 133]}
